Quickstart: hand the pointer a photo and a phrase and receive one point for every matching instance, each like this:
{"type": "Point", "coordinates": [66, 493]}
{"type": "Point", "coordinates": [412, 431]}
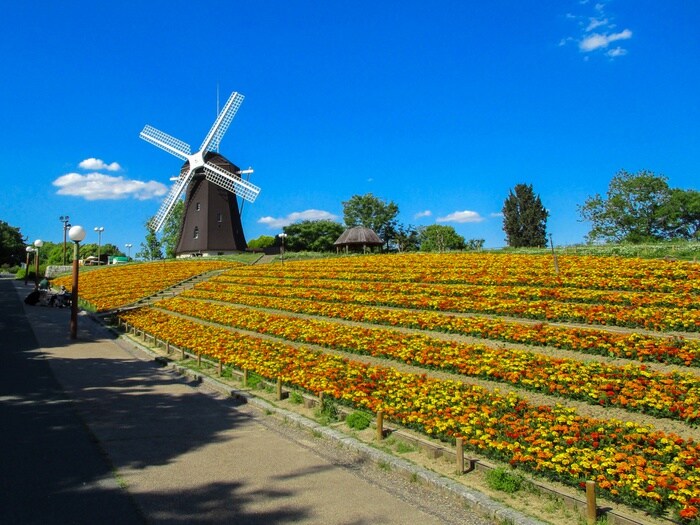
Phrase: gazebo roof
{"type": "Point", "coordinates": [358, 235]}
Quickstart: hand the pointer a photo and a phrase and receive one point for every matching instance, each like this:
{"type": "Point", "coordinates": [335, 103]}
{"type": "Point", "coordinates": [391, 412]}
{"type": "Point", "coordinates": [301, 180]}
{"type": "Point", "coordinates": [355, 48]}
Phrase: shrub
{"type": "Point", "coordinates": [504, 480]}
{"type": "Point", "coordinates": [358, 420]}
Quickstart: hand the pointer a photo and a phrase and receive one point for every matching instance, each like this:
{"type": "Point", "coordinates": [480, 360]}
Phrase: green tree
{"type": "Point", "coordinates": [440, 238]}
{"type": "Point", "coordinates": [373, 213]}
{"type": "Point", "coordinates": [475, 245]}
{"type": "Point", "coordinates": [171, 229]}
{"type": "Point", "coordinates": [631, 211]}
{"type": "Point", "coordinates": [12, 245]}
{"type": "Point", "coordinates": [524, 218]}
{"type": "Point", "coordinates": [406, 238]}
{"type": "Point", "coordinates": [151, 248]}
{"type": "Point", "coordinates": [313, 236]}
{"type": "Point", "coordinates": [262, 242]}
{"type": "Point", "coordinates": [679, 215]}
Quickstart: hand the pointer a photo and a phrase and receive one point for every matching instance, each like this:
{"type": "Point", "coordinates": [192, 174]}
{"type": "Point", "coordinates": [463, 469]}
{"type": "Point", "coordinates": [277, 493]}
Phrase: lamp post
{"type": "Point", "coordinates": [282, 236]}
{"type": "Point", "coordinates": [76, 234]}
{"type": "Point", "coordinates": [26, 268]}
{"type": "Point", "coordinates": [128, 250]}
{"type": "Point", "coordinates": [64, 219]}
{"type": "Point", "coordinates": [99, 231]}
{"type": "Point", "coordinates": [37, 244]}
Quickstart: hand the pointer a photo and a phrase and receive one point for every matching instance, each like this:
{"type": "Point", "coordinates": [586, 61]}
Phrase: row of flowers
{"type": "Point", "coordinates": [115, 286]}
{"type": "Point", "coordinates": [641, 347]}
{"type": "Point", "coordinates": [633, 464]}
{"type": "Point", "coordinates": [632, 387]}
{"type": "Point", "coordinates": [473, 291]}
{"type": "Point", "coordinates": [507, 269]}
{"type": "Point", "coordinates": [629, 316]}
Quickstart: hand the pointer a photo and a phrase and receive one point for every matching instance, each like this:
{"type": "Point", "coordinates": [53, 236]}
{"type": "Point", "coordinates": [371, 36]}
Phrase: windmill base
{"type": "Point", "coordinates": [211, 223]}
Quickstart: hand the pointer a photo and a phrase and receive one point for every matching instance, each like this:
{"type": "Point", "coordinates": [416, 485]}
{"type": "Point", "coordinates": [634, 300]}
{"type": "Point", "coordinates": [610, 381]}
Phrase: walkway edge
{"type": "Point", "coordinates": [484, 505]}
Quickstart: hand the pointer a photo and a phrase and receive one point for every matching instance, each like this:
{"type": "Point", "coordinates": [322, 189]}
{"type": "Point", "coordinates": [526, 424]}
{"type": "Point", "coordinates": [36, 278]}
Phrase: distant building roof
{"type": "Point", "coordinates": [358, 236]}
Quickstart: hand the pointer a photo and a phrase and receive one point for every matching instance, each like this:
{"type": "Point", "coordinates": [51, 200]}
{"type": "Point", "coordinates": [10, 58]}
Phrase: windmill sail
{"type": "Point", "coordinates": [230, 182]}
{"type": "Point", "coordinates": [211, 217]}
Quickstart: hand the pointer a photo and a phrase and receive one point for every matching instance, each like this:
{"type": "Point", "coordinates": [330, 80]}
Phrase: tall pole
{"type": "Point", "coordinates": [74, 295]}
{"type": "Point", "coordinates": [64, 219]}
{"type": "Point", "coordinates": [554, 255]}
{"type": "Point", "coordinates": [26, 268]}
{"type": "Point", "coordinates": [76, 234]}
{"type": "Point", "coordinates": [37, 244]}
{"type": "Point", "coordinates": [99, 241]}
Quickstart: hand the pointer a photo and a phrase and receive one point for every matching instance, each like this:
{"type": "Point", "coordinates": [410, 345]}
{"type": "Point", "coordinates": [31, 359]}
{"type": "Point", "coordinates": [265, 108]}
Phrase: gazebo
{"type": "Point", "coordinates": [358, 237]}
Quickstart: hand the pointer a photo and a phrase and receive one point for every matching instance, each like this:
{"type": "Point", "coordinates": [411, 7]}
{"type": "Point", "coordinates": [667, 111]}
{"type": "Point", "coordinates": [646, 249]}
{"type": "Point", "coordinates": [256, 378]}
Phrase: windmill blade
{"type": "Point", "coordinates": [213, 138]}
{"type": "Point", "coordinates": [170, 200]}
{"type": "Point", "coordinates": [166, 142]}
{"type": "Point", "coordinates": [230, 182]}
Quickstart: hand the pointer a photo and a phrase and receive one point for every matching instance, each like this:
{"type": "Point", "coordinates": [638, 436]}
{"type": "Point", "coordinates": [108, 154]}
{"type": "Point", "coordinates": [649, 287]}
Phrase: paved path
{"type": "Point", "coordinates": [82, 420]}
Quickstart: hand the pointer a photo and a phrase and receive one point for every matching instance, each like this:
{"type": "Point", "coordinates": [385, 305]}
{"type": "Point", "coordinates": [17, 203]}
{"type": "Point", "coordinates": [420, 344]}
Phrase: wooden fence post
{"type": "Point", "coordinates": [279, 388]}
{"type": "Point", "coordinates": [167, 347]}
{"type": "Point", "coordinates": [245, 378]}
{"type": "Point", "coordinates": [591, 510]}
{"type": "Point", "coordinates": [220, 368]}
{"type": "Point", "coordinates": [460, 454]}
{"type": "Point", "coordinates": [380, 425]}
{"type": "Point", "coordinates": [199, 358]}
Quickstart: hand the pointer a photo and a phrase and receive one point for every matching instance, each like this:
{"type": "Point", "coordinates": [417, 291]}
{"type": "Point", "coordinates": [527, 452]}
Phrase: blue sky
{"type": "Point", "coordinates": [441, 107]}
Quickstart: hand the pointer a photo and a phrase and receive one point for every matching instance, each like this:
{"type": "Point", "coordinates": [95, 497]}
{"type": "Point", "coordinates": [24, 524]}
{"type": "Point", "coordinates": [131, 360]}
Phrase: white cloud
{"type": "Point", "coordinates": [617, 52]}
{"type": "Point", "coordinates": [597, 30]}
{"type": "Point", "coordinates": [496, 214]}
{"type": "Point", "coordinates": [597, 40]}
{"type": "Point", "coordinates": [425, 213]}
{"type": "Point", "coordinates": [596, 22]}
{"type": "Point", "coordinates": [461, 216]}
{"type": "Point", "coordinates": [98, 186]}
{"type": "Point", "coordinates": [98, 164]}
{"type": "Point", "coordinates": [306, 215]}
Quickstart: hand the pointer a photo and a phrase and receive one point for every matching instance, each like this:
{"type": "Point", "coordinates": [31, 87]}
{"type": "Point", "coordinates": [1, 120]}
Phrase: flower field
{"type": "Point", "coordinates": [444, 331]}
{"type": "Point", "coordinates": [112, 287]}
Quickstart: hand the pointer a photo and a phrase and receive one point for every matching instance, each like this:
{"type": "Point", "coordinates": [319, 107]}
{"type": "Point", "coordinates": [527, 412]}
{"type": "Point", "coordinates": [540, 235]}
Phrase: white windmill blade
{"type": "Point", "coordinates": [213, 138]}
{"type": "Point", "coordinates": [230, 182]}
{"type": "Point", "coordinates": [170, 200]}
{"type": "Point", "coordinates": [164, 141]}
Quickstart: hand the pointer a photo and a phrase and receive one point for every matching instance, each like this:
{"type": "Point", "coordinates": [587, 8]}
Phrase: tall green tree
{"type": "Point", "coordinates": [313, 236]}
{"type": "Point", "coordinates": [151, 248]}
{"type": "Point", "coordinates": [171, 229]}
{"type": "Point", "coordinates": [524, 218]}
{"type": "Point", "coordinates": [12, 246]}
{"type": "Point", "coordinates": [631, 210]}
{"type": "Point", "coordinates": [440, 238]}
{"type": "Point", "coordinates": [406, 238]}
{"type": "Point", "coordinates": [373, 213]}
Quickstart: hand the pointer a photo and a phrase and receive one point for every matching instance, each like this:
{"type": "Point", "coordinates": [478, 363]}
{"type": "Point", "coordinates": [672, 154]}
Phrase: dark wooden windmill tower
{"type": "Point", "coordinates": [211, 223]}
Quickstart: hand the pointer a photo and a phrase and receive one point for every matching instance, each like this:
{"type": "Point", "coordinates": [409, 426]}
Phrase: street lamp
{"type": "Point", "coordinates": [99, 241]}
{"type": "Point", "coordinates": [282, 236]}
{"type": "Point", "coordinates": [26, 268]}
{"type": "Point", "coordinates": [64, 219]}
{"type": "Point", "coordinates": [38, 244]}
{"type": "Point", "coordinates": [128, 250]}
{"type": "Point", "coordinates": [76, 234]}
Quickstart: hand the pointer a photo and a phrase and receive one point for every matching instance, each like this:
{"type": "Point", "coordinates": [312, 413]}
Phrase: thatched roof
{"type": "Point", "coordinates": [358, 236]}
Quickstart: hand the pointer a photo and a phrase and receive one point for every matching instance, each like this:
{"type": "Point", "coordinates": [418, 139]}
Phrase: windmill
{"type": "Point", "coordinates": [211, 223]}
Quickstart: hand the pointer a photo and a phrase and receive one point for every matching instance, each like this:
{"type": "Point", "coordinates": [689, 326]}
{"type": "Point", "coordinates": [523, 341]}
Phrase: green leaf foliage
{"type": "Point", "coordinates": [524, 218]}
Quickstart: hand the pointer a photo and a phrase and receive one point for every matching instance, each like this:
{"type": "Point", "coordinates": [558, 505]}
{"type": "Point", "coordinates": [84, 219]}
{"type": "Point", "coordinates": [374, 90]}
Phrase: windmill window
{"type": "Point", "coordinates": [198, 206]}
{"type": "Point", "coordinates": [196, 232]}
{"type": "Point", "coordinates": [219, 217]}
